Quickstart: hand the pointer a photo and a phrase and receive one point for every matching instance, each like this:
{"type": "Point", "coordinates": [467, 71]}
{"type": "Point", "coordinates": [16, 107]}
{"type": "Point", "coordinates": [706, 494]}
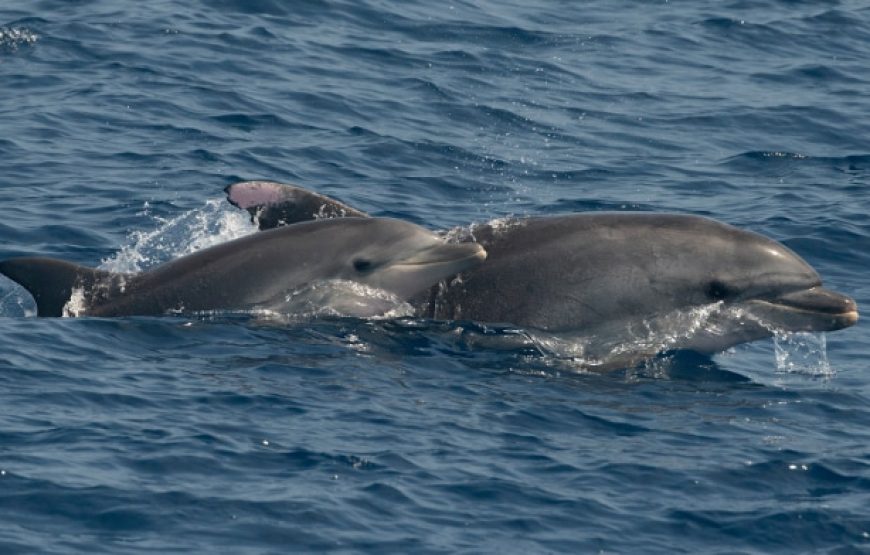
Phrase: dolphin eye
{"type": "Point", "coordinates": [717, 291]}
{"type": "Point", "coordinates": [362, 265]}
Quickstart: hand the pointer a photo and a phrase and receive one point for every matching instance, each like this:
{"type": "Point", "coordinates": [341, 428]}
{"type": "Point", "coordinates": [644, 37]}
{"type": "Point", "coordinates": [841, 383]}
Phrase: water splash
{"type": "Point", "coordinates": [11, 38]}
{"type": "Point", "coordinates": [76, 305]}
{"type": "Point", "coordinates": [627, 344]}
{"type": "Point", "coordinates": [337, 297]}
{"type": "Point", "coordinates": [802, 353]}
{"type": "Point", "coordinates": [181, 235]}
{"type": "Point", "coordinates": [16, 302]}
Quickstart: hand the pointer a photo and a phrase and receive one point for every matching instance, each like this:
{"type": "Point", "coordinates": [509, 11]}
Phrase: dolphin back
{"type": "Point", "coordinates": [51, 281]}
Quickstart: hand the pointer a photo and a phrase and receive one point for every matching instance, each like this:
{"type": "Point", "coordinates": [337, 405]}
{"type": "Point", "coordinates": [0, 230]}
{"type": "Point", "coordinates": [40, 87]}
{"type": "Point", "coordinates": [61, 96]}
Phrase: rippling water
{"type": "Point", "coordinates": [122, 121]}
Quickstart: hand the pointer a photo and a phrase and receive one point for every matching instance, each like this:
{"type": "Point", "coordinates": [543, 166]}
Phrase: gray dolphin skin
{"type": "Point", "coordinates": [659, 281]}
{"type": "Point", "coordinates": [264, 270]}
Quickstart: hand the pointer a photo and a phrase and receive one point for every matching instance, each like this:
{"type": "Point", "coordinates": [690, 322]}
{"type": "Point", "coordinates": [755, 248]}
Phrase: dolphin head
{"type": "Point", "coordinates": [756, 286]}
{"type": "Point", "coordinates": [356, 266]}
{"type": "Point", "coordinates": [404, 258]}
{"type": "Point", "coordinates": [652, 282]}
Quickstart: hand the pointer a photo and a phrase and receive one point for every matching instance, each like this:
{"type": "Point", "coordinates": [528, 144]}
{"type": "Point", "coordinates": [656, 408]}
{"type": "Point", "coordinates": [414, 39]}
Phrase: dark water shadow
{"type": "Point", "coordinates": [691, 366]}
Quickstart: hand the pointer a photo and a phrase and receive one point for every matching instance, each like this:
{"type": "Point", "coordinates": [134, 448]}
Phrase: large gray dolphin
{"type": "Point", "coordinates": [265, 270]}
{"type": "Point", "coordinates": [642, 282]}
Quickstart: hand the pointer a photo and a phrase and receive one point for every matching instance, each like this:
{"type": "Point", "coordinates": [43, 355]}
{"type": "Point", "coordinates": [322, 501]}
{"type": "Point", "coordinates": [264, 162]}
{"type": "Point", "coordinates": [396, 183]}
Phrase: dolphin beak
{"type": "Point", "coordinates": [427, 266]}
{"type": "Point", "coordinates": [464, 255]}
{"type": "Point", "coordinates": [813, 309]}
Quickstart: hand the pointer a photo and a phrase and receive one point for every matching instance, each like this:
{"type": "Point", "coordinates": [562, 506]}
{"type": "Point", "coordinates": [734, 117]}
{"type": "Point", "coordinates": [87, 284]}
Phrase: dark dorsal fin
{"type": "Point", "coordinates": [276, 204]}
{"type": "Point", "coordinates": [51, 281]}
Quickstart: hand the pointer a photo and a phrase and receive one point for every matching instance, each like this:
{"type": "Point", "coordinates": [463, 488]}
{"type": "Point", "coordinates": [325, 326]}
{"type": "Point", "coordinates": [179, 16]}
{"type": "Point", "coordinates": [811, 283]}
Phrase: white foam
{"type": "Point", "coordinates": [76, 305]}
{"type": "Point", "coordinates": [181, 235]}
{"type": "Point", "coordinates": [13, 37]}
{"type": "Point", "coordinates": [464, 234]}
{"type": "Point", "coordinates": [499, 225]}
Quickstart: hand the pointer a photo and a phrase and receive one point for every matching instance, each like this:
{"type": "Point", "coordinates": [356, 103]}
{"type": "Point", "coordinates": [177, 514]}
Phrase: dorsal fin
{"type": "Point", "coordinates": [51, 281]}
{"type": "Point", "coordinates": [274, 205]}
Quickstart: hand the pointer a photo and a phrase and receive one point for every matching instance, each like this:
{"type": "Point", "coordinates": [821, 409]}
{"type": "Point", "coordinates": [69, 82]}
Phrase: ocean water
{"type": "Point", "coordinates": [121, 122]}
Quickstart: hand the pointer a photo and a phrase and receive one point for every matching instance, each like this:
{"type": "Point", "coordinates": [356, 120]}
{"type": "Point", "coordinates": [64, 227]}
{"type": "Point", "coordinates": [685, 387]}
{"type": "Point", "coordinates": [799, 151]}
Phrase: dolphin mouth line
{"type": "Point", "coordinates": [815, 303]}
{"type": "Point", "coordinates": [475, 254]}
{"type": "Point", "coordinates": [849, 315]}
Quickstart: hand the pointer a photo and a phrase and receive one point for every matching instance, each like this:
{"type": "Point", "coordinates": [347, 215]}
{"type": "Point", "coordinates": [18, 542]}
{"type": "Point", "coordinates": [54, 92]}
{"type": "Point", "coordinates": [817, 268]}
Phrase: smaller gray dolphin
{"type": "Point", "coordinates": [265, 270]}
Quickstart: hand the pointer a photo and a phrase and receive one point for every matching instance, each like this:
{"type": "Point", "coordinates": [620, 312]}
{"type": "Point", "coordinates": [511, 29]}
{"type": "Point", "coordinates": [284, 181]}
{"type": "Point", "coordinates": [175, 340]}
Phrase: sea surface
{"type": "Point", "coordinates": [121, 122]}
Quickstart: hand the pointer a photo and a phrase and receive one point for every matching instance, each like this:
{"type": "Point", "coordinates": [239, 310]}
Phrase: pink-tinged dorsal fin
{"type": "Point", "coordinates": [276, 204]}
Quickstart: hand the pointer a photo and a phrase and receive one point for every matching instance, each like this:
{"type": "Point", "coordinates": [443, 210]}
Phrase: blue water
{"type": "Point", "coordinates": [120, 123]}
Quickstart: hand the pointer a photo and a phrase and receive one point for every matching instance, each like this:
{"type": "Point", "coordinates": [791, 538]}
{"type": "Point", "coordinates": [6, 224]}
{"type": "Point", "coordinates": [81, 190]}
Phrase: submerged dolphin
{"type": "Point", "coordinates": [639, 282]}
{"type": "Point", "coordinates": [265, 271]}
